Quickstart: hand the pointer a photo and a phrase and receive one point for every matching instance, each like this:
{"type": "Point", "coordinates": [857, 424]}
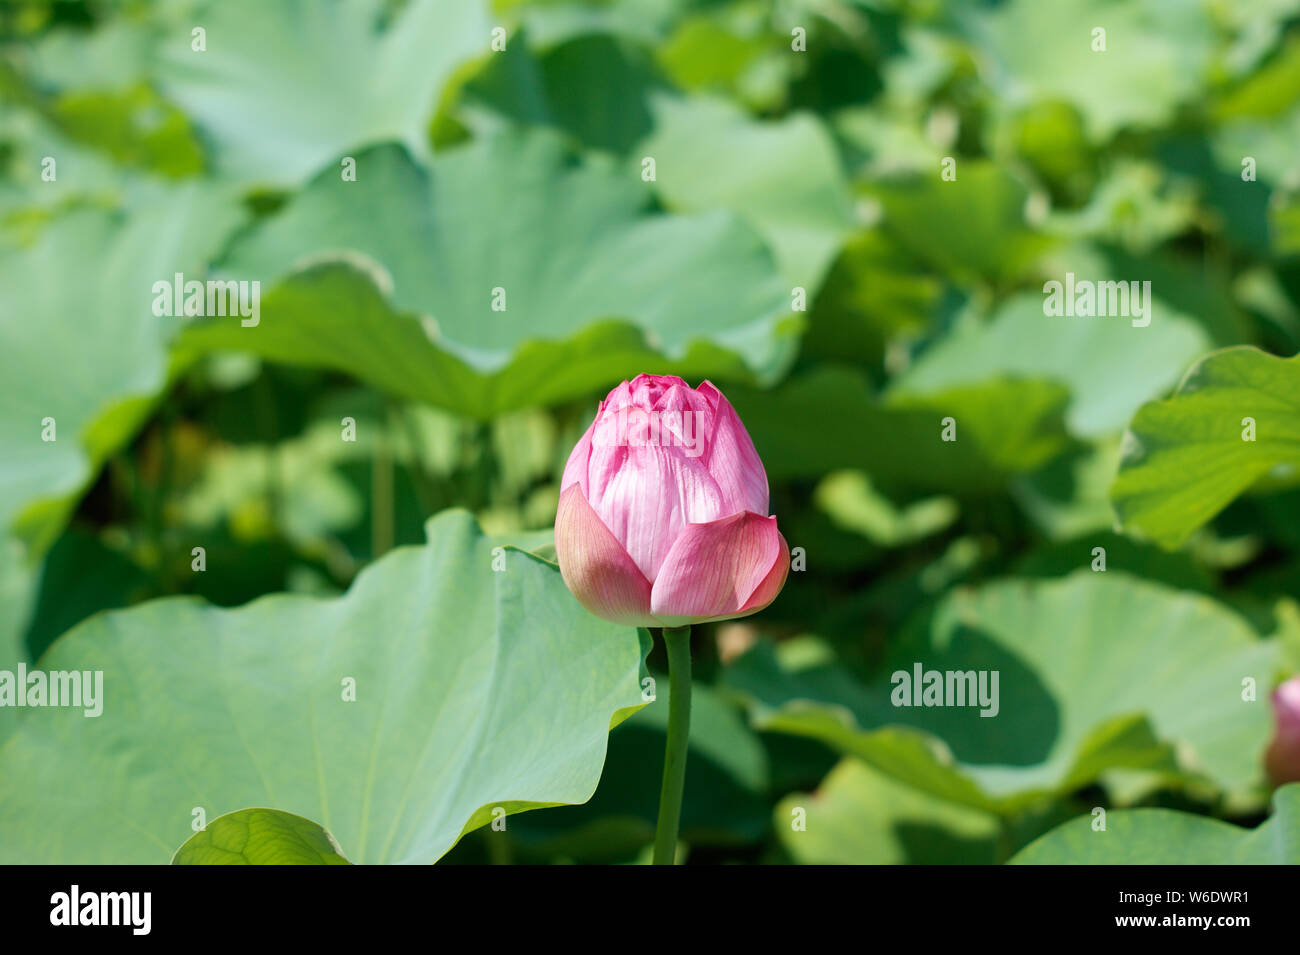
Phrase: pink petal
{"type": "Point", "coordinates": [771, 585]}
{"type": "Point", "coordinates": [646, 496]}
{"type": "Point", "coordinates": [673, 394]}
{"type": "Point", "coordinates": [595, 567]}
{"type": "Point", "coordinates": [714, 570]}
{"type": "Point", "coordinates": [660, 396]}
{"type": "Point", "coordinates": [731, 459]}
{"type": "Point", "coordinates": [647, 390]}
{"type": "Point", "coordinates": [575, 469]}
{"type": "Point", "coordinates": [661, 455]}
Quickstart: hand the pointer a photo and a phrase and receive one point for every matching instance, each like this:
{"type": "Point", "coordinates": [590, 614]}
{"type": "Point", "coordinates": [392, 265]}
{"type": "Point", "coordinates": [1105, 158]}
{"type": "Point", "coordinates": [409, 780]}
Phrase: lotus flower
{"type": "Point", "coordinates": [1283, 756]}
{"type": "Point", "coordinates": [663, 516]}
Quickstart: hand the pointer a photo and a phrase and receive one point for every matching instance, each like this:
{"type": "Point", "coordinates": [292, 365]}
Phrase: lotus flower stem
{"type": "Point", "coordinates": [678, 642]}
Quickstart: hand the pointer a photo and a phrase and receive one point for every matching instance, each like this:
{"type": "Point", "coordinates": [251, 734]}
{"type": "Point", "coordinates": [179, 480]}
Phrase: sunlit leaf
{"type": "Point", "coordinates": [399, 715]}
{"type": "Point", "coordinates": [1167, 837]}
{"type": "Point", "coordinates": [260, 837]}
{"type": "Point", "coordinates": [283, 88]}
{"type": "Point", "coordinates": [860, 816]}
{"type": "Point", "coordinates": [1233, 421]}
{"type": "Point", "coordinates": [1068, 707]}
{"type": "Point", "coordinates": [510, 277]}
{"type": "Point", "coordinates": [783, 176]}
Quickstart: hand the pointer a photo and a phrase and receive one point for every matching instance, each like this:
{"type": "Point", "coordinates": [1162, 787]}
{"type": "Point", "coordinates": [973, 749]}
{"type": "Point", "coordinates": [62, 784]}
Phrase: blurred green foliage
{"type": "Point", "coordinates": [841, 211]}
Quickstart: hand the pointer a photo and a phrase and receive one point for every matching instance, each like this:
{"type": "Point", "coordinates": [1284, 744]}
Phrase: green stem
{"type": "Point", "coordinates": [678, 641]}
{"type": "Point", "coordinates": [381, 499]}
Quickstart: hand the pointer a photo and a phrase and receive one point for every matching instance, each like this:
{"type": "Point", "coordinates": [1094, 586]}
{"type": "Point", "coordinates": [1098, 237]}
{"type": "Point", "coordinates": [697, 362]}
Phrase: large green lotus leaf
{"type": "Point", "coordinates": [283, 88]}
{"type": "Point", "coordinates": [860, 816]}
{"type": "Point", "coordinates": [783, 175]}
{"type": "Point", "coordinates": [80, 343]}
{"type": "Point", "coordinates": [1186, 457]}
{"type": "Point", "coordinates": [594, 286]}
{"type": "Point", "coordinates": [1003, 428]}
{"type": "Point", "coordinates": [1167, 837]}
{"type": "Point", "coordinates": [1096, 671]}
{"type": "Point", "coordinates": [1156, 57]}
{"type": "Point", "coordinates": [1110, 365]}
{"type": "Point", "coordinates": [260, 837]}
{"type": "Point", "coordinates": [474, 689]}
{"type": "Point", "coordinates": [971, 228]}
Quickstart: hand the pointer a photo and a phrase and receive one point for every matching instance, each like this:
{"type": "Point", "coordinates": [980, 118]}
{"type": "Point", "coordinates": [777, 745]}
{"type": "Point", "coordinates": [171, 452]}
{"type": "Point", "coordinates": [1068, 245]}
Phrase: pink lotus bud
{"type": "Point", "coordinates": [1283, 756]}
{"type": "Point", "coordinates": [663, 510]}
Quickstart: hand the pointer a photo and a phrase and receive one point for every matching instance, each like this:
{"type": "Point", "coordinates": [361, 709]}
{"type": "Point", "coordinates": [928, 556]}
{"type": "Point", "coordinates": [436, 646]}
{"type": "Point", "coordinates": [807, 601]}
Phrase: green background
{"type": "Point", "coordinates": [842, 212]}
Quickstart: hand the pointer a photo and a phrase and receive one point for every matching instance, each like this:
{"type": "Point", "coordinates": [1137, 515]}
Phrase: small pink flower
{"type": "Point", "coordinates": [663, 510]}
{"type": "Point", "coordinates": [1283, 756]}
